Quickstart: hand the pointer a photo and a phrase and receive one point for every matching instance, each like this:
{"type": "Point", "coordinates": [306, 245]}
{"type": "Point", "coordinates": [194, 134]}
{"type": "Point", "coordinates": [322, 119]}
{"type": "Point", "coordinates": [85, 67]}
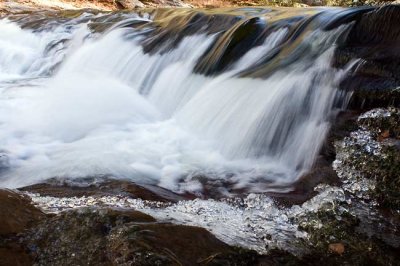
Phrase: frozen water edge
{"type": "Point", "coordinates": [362, 142]}
{"type": "Point", "coordinates": [255, 222]}
{"type": "Point", "coordinates": [353, 180]}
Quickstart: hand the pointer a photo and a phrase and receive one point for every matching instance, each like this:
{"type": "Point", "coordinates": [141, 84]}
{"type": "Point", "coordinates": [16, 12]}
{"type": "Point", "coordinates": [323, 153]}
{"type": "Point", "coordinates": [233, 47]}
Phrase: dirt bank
{"type": "Point", "coordinates": [13, 6]}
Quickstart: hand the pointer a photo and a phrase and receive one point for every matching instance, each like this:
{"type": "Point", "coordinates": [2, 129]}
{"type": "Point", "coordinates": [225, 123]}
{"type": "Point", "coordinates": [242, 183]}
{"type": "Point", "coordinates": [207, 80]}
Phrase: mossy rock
{"type": "Point", "coordinates": [334, 239]}
{"type": "Point", "coordinates": [388, 124]}
{"type": "Point", "coordinates": [372, 153]}
{"type": "Point", "coordinates": [91, 236]}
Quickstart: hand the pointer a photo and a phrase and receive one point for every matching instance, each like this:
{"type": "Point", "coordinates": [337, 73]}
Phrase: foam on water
{"type": "Point", "coordinates": [28, 54]}
{"type": "Point", "coordinates": [111, 109]}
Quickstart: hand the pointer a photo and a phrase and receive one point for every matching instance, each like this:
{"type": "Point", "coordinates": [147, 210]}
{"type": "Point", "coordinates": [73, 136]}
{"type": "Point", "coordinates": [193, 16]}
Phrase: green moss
{"type": "Point", "coordinates": [327, 227]}
{"type": "Point", "coordinates": [381, 124]}
{"type": "Point", "coordinates": [386, 171]}
{"type": "Point", "coordinates": [381, 165]}
{"type": "Point", "coordinates": [125, 237]}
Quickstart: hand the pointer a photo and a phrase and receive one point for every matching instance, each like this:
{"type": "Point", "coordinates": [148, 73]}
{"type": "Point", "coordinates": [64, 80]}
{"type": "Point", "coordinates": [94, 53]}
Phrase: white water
{"type": "Point", "coordinates": [113, 110]}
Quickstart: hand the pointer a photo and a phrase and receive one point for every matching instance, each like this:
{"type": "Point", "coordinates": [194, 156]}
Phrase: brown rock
{"type": "Point", "coordinates": [125, 237]}
{"type": "Point", "coordinates": [60, 189]}
{"type": "Point", "coordinates": [337, 248]}
{"type": "Point", "coordinates": [179, 244]}
{"type": "Point", "coordinates": [17, 213]}
{"type": "Point", "coordinates": [14, 256]}
{"type": "Point", "coordinates": [128, 4]}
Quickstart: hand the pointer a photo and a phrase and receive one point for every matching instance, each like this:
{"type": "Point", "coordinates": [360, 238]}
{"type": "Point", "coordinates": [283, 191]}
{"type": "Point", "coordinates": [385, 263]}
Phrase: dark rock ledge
{"type": "Point", "coordinates": [104, 236]}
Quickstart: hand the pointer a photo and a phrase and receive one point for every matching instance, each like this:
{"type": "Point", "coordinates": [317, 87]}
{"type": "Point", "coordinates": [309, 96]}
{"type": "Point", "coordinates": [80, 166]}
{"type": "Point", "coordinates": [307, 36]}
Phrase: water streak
{"type": "Point", "coordinates": [113, 109]}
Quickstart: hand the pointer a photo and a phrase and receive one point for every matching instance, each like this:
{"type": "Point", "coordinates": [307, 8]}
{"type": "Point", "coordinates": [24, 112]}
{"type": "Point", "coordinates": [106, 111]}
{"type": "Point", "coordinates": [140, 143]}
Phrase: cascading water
{"type": "Point", "coordinates": [137, 101]}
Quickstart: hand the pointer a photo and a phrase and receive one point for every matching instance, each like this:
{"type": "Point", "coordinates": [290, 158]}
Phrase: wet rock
{"type": "Point", "coordinates": [373, 40]}
{"type": "Point", "coordinates": [344, 123]}
{"type": "Point", "coordinates": [334, 238]}
{"type": "Point", "coordinates": [176, 244]}
{"type": "Point", "coordinates": [383, 123]}
{"type": "Point", "coordinates": [54, 241]}
{"type": "Point", "coordinates": [15, 256]}
{"type": "Point", "coordinates": [368, 160]}
{"type": "Point", "coordinates": [126, 237]}
{"type": "Point", "coordinates": [66, 188]}
{"type": "Point", "coordinates": [175, 26]}
{"type": "Point", "coordinates": [322, 172]}
{"type": "Point", "coordinates": [230, 46]}
{"type": "Point", "coordinates": [125, 240]}
{"type": "Point", "coordinates": [17, 213]}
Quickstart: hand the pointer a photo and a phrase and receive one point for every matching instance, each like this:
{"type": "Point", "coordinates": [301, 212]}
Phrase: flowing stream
{"type": "Point", "coordinates": [220, 104]}
{"type": "Point", "coordinates": [142, 101]}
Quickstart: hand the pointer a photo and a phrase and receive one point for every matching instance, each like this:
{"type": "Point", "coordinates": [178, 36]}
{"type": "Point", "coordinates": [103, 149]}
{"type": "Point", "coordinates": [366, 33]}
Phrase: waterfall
{"type": "Point", "coordinates": [77, 103]}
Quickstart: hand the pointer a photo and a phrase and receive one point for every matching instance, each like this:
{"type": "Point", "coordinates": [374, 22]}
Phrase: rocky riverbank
{"type": "Point", "coordinates": [15, 6]}
{"type": "Point", "coordinates": [352, 222]}
{"type": "Point", "coordinates": [355, 222]}
{"type": "Point", "coordinates": [103, 236]}
{"type": "Point", "coordinates": [334, 227]}
{"type": "Point", "coordinates": [102, 5]}
{"type": "Point", "coordinates": [344, 212]}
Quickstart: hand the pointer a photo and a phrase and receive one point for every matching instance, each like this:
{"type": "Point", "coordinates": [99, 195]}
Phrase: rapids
{"type": "Point", "coordinates": [239, 102]}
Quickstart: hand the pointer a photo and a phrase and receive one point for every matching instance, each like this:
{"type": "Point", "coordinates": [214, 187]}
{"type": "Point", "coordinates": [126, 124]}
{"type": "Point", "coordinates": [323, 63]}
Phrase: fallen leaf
{"type": "Point", "coordinates": [337, 248]}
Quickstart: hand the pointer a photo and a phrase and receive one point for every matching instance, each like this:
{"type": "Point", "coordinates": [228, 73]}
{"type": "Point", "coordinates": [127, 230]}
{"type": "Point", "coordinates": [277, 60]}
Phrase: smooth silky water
{"type": "Point", "coordinates": [133, 101]}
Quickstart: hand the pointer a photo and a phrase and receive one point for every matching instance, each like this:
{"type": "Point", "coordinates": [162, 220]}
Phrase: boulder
{"type": "Point", "coordinates": [374, 40]}
{"type": "Point", "coordinates": [126, 237]}
{"type": "Point", "coordinates": [368, 161]}
{"type": "Point", "coordinates": [64, 188]}
{"type": "Point", "coordinates": [17, 213]}
{"type": "Point", "coordinates": [128, 4]}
